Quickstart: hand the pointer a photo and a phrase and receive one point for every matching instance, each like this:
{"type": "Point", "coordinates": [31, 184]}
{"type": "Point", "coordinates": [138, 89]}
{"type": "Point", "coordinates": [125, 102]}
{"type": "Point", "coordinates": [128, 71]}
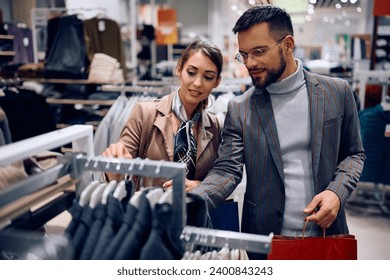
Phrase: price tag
{"type": "Point", "coordinates": [26, 41]}
{"type": "Point", "coordinates": [101, 25]}
{"type": "Point", "coordinates": [387, 130]}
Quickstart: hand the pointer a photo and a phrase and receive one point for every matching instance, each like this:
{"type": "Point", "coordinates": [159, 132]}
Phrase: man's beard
{"type": "Point", "coordinates": [272, 75]}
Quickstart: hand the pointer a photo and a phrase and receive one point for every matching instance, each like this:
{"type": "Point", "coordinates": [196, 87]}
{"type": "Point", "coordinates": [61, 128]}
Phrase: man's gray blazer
{"type": "Point", "coordinates": [250, 139]}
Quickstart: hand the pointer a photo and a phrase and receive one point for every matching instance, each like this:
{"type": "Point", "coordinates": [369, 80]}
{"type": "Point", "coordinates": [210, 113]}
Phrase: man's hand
{"type": "Point", "coordinates": [190, 184]}
{"type": "Point", "coordinates": [328, 205]}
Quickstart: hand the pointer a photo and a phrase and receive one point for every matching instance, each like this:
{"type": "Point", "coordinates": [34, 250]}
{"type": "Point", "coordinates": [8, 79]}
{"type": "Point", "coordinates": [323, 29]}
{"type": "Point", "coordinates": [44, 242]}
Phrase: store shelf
{"type": "Point", "coordinates": [80, 101]}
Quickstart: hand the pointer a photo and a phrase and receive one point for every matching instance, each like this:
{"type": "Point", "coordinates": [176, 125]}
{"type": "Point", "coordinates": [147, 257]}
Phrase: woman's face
{"type": "Point", "coordinates": [198, 77]}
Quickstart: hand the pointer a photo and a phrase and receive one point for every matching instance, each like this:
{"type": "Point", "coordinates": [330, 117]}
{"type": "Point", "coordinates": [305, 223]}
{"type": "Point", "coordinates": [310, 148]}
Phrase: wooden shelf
{"type": "Point", "coordinates": [56, 81]}
{"type": "Point", "coordinates": [80, 101]}
{"type": "Point", "coordinates": [7, 53]}
{"type": "Point", "coordinates": [8, 37]}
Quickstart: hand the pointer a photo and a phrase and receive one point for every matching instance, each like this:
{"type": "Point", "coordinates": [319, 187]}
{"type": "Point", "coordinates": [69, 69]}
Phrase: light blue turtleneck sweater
{"type": "Point", "coordinates": [290, 103]}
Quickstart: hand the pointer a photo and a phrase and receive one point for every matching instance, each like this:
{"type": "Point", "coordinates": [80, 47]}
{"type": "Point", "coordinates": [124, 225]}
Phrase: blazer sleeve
{"type": "Point", "coordinates": [228, 167]}
{"type": "Point", "coordinates": [351, 155]}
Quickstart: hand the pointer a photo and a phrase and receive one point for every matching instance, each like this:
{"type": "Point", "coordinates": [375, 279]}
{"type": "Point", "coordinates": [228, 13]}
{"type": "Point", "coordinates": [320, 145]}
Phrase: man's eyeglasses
{"type": "Point", "coordinates": [256, 53]}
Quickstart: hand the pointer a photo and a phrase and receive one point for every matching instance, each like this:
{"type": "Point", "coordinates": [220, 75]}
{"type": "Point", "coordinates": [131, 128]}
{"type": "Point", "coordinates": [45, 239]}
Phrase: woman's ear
{"type": "Point", "coordinates": [217, 82]}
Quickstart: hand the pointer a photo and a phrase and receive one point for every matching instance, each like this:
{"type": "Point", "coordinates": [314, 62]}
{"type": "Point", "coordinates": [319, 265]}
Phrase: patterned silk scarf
{"type": "Point", "coordinates": [185, 143]}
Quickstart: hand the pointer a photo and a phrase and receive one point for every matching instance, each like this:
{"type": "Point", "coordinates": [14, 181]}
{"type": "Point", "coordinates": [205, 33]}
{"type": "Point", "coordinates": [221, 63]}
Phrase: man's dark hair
{"type": "Point", "coordinates": [278, 19]}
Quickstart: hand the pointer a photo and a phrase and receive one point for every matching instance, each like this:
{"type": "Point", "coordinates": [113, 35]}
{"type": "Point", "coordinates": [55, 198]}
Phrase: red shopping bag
{"type": "Point", "coordinates": [331, 247]}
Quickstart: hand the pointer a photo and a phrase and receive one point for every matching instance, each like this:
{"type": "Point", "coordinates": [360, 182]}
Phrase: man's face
{"type": "Point", "coordinates": [268, 67]}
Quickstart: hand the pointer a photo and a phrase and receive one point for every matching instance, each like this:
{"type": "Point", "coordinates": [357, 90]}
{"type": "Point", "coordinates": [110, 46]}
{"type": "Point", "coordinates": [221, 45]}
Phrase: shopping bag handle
{"type": "Point", "coordinates": [305, 224]}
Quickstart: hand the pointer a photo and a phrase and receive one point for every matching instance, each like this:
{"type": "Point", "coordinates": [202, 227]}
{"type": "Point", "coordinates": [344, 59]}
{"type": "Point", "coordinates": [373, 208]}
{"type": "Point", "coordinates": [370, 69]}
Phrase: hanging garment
{"type": "Point", "coordinates": [111, 226]}
{"type": "Point", "coordinates": [23, 43]}
{"type": "Point", "coordinates": [197, 212]}
{"type": "Point", "coordinates": [99, 216]}
{"type": "Point", "coordinates": [5, 133]}
{"type": "Point", "coordinates": [377, 147]}
{"type": "Point", "coordinates": [117, 240]}
{"type": "Point", "coordinates": [102, 133]}
{"type": "Point", "coordinates": [27, 112]}
{"type": "Point", "coordinates": [75, 211]}
{"type": "Point", "coordinates": [160, 244]}
{"type": "Point", "coordinates": [135, 239]}
{"type": "Point", "coordinates": [103, 36]}
{"type": "Point", "coordinates": [82, 231]}
{"type": "Point", "coordinates": [66, 56]}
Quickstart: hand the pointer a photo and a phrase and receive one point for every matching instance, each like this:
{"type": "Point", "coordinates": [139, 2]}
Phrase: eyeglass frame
{"type": "Point", "coordinates": [262, 52]}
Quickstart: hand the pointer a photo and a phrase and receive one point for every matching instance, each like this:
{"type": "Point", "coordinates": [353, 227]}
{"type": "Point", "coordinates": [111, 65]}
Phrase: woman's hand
{"type": "Point", "coordinates": [190, 184]}
{"type": "Point", "coordinates": [117, 150]}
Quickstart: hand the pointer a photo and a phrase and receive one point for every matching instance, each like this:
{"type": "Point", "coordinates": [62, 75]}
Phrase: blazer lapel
{"type": "Point", "coordinates": [268, 123]}
{"type": "Point", "coordinates": [316, 99]}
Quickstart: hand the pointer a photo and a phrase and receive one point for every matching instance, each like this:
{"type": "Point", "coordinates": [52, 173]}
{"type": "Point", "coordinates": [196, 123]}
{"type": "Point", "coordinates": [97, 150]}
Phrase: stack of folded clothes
{"type": "Point", "coordinates": [105, 69]}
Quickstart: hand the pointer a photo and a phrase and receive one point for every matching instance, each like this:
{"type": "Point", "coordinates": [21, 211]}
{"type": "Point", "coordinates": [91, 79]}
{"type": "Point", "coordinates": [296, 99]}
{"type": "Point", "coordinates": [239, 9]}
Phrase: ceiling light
{"type": "Point", "coordinates": [312, 1]}
{"type": "Point", "coordinates": [338, 6]}
{"type": "Point", "coordinates": [353, 1]}
{"type": "Point", "coordinates": [359, 10]}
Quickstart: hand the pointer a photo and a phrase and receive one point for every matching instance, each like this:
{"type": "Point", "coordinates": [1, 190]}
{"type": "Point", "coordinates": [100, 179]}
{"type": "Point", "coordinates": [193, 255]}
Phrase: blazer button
{"type": "Point", "coordinates": [279, 214]}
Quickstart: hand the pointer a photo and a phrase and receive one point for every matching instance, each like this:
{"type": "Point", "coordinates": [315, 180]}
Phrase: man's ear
{"type": "Point", "coordinates": [289, 42]}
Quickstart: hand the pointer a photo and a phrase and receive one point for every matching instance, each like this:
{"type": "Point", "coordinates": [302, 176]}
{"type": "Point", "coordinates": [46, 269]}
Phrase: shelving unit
{"type": "Point", "coordinates": [6, 49]}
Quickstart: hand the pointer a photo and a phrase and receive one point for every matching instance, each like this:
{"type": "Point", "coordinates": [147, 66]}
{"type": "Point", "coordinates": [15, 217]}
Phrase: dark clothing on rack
{"type": "Point", "coordinates": [116, 242]}
{"type": "Point", "coordinates": [111, 226]}
{"type": "Point", "coordinates": [82, 231]}
{"type": "Point", "coordinates": [105, 40]}
{"type": "Point", "coordinates": [160, 245]}
{"type": "Point", "coordinates": [377, 165]}
{"type": "Point", "coordinates": [27, 112]}
{"type": "Point", "coordinates": [5, 133]}
{"type": "Point", "coordinates": [135, 239]}
{"type": "Point", "coordinates": [197, 212]}
{"type": "Point", "coordinates": [75, 211]}
{"type": "Point", "coordinates": [23, 43]}
{"type": "Point", "coordinates": [99, 216]}
{"type": "Point", "coordinates": [66, 55]}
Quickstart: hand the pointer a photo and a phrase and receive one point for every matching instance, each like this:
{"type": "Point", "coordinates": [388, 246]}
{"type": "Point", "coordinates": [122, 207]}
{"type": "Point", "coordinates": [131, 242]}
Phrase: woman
{"type": "Point", "coordinates": [177, 127]}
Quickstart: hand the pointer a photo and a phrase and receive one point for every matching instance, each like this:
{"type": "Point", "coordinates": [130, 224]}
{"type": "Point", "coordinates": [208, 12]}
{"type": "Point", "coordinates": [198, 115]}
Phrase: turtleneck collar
{"type": "Point", "coordinates": [289, 84]}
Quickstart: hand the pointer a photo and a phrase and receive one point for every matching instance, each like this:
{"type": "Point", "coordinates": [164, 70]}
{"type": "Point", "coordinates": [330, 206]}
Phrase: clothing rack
{"type": "Point", "coordinates": [364, 77]}
{"type": "Point", "coordinates": [139, 167]}
{"type": "Point", "coordinates": [39, 18]}
{"type": "Point", "coordinates": [219, 238]}
{"type": "Point", "coordinates": [136, 89]}
{"type": "Point", "coordinates": [75, 165]}
{"type": "Point", "coordinates": [17, 199]}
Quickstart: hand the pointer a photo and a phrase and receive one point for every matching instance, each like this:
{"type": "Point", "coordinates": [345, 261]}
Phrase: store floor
{"type": "Point", "coordinates": [372, 231]}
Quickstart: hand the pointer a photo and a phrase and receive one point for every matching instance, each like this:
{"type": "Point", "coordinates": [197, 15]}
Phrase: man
{"type": "Point", "coordinates": [297, 133]}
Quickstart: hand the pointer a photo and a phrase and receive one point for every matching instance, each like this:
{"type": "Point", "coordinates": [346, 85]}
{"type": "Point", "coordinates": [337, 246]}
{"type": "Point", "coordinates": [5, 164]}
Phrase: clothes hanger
{"type": "Point", "coordinates": [135, 200]}
{"type": "Point", "coordinates": [86, 193]}
{"type": "Point", "coordinates": [166, 197]}
{"type": "Point", "coordinates": [153, 196]}
{"type": "Point", "coordinates": [96, 196]}
{"type": "Point", "coordinates": [120, 190]}
{"type": "Point", "coordinates": [110, 188]}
